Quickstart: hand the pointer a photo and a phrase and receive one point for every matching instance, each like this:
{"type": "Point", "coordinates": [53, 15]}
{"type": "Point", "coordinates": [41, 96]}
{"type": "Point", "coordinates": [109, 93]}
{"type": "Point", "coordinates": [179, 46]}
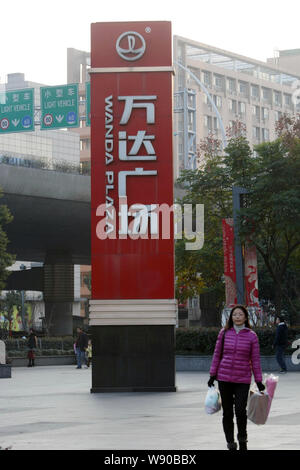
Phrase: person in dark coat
{"type": "Point", "coordinates": [81, 345]}
{"type": "Point", "coordinates": [281, 342]}
{"type": "Point", "coordinates": [32, 345]}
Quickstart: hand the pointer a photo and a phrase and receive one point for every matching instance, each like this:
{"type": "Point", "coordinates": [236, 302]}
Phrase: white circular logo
{"type": "Point", "coordinates": [130, 46]}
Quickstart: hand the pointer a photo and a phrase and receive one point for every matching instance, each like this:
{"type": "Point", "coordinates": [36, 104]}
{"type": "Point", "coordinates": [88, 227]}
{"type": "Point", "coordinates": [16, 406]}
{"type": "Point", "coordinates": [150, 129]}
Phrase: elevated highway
{"type": "Point", "coordinates": [51, 224]}
{"type": "Point", "coordinates": [51, 213]}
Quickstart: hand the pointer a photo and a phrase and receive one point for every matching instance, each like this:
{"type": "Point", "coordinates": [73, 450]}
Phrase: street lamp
{"type": "Point", "coordinates": [23, 268]}
{"type": "Point", "coordinates": [204, 89]}
{"type": "Point", "coordinates": [239, 264]}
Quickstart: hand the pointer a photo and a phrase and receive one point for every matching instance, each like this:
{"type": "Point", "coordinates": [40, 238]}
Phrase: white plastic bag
{"type": "Point", "coordinates": [212, 401]}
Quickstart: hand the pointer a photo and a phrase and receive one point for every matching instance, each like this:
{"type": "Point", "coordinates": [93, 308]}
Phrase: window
{"type": "Point", "coordinates": [216, 123]}
{"type": "Point", "coordinates": [277, 98]}
{"type": "Point", "coordinates": [231, 85]}
{"type": "Point", "coordinates": [265, 135]}
{"type": "Point", "coordinates": [242, 107]}
{"type": "Point", "coordinates": [254, 91]}
{"type": "Point", "coordinates": [232, 105]}
{"type": "Point", "coordinates": [206, 77]}
{"type": "Point", "coordinates": [264, 113]}
{"type": "Point", "coordinates": [208, 122]}
{"type": "Point", "coordinates": [218, 101]}
{"type": "Point", "coordinates": [278, 115]}
{"type": "Point", "coordinates": [256, 133]}
{"type": "Point", "coordinates": [218, 82]}
{"type": "Point", "coordinates": [266, 94]}
{"type": "Point", "coordinates": [206, 100]}
{"type": "Point", "coordinates": [256, 112]}
{"type": "Point", "coordinates": [287, 99]}
{"type": "Point", "coordinates": [243, 88]}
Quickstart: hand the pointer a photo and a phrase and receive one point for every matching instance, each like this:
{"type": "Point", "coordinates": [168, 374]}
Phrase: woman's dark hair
{"type": "Point", "coordinates": [229, 323]}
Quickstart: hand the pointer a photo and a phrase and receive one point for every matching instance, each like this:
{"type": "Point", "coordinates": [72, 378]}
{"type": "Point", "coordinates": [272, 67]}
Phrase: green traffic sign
{"type": "Point", "coordinates": [59, 107]}
{"type": "Point", "coordinates": [17, 111]}
{"type": "Point", "coordinates": [88, 103]}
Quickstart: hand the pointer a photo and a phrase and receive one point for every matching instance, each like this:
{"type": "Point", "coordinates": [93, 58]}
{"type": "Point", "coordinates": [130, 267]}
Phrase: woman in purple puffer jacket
{"type": "Point", "coordinates": [235, 358]}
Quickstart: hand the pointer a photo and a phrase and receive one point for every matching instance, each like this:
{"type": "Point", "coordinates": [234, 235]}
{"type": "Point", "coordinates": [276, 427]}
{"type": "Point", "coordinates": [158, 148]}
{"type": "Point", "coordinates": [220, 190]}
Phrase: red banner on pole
{"type": "Point", "coordinates": [229, 262]}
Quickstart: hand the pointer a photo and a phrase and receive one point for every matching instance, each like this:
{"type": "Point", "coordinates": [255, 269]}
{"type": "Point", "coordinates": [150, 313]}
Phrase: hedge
{"type": "Point", "coordinates": [198, 341]}
{"type": "Point", "coordinates": [40, 352]}
{"type": "Point", "coordinates": [201, 341]}
{"type": "Point", "coordinates": [60, 343]}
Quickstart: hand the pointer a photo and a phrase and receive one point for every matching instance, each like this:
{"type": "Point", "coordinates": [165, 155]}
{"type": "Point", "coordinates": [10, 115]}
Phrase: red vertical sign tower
{"type": "Point", "coordinates": [133, 311]}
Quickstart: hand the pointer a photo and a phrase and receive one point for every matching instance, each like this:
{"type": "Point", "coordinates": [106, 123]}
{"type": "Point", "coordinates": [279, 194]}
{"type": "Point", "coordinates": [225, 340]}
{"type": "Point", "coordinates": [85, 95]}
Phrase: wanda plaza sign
{"type": "Point", "coordinates": [132, 173]}
{"type": "Point", "coordinates": [133, 310]}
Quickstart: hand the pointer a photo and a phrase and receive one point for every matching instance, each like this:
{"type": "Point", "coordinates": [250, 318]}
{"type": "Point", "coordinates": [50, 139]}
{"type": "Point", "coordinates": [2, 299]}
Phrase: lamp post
{"type": "Point", "coordinates": [239, 263]}
{"type": "Point", "coordinates": [23, 268]}
{"type": "Point", "coordinates": [204, 89]}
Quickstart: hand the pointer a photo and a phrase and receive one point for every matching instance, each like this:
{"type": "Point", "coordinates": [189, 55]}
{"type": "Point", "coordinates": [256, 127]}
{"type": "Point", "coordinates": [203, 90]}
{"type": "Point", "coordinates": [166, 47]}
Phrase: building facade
{"type": "Point", "coordinates": [253, 92]}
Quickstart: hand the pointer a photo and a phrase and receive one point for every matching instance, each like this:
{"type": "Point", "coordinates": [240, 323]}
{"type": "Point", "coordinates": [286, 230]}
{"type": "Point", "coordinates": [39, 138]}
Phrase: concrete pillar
{"type": "Point", "coordinates": [58, 318]}
{"type": "Point", "coordinates": [58, 293]}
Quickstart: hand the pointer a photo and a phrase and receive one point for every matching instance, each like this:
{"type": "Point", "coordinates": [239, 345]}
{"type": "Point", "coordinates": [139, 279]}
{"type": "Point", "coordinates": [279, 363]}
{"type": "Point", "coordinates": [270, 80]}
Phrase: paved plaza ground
{"type": "Point", "coordinates": [51, 408]}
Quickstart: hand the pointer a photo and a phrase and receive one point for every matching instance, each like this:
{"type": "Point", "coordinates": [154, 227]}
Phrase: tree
{"type": "Point", "coordinates": [270, 218]}
{"type": "Point", "coordinates": [270, 215]}
{"type": "Point", "coordinates": [209, 186]}
{"type": "Point", "coordinates": [6, 259]}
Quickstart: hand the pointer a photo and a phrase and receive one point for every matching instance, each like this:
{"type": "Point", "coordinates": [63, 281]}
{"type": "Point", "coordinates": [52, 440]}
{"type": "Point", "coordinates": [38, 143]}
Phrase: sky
{"type": "Point", "coordinates": [35, 34]}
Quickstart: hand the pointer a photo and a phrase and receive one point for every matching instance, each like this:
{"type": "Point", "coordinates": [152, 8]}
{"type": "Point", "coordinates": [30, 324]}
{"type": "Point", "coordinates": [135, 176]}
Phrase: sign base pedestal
{"type": "Point", "coordinates": [133, 345]}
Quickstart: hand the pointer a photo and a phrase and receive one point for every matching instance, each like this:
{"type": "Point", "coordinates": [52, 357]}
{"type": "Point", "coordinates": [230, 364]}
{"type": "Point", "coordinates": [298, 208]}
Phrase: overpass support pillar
{"type": "Point", "coordinates": [59, 293]}
{"type": "Point", "coordinates": [59, 318]}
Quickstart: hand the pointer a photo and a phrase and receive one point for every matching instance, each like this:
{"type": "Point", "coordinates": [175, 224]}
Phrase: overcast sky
{"type": "Point", "coordinates": [35, 34]}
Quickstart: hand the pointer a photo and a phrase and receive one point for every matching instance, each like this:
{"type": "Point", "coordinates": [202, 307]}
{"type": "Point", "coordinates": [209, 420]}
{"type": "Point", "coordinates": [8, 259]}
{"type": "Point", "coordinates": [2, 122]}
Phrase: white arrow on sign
{"type": "Point", "coordinates": [59, 118]}
{"type": "Point", "coordinates": [15, 122]}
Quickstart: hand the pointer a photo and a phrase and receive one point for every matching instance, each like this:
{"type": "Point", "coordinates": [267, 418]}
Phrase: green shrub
{"type": "Point", "coordinates": [60, 343]}
{"type": "Point", "coordinates": [197, 341]}
{"type": "Point", "coordinates": [201, 341]}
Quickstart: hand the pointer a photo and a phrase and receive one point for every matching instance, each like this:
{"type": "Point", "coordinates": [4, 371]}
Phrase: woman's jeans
{"type": "Point", "coordinates": [234, 395]}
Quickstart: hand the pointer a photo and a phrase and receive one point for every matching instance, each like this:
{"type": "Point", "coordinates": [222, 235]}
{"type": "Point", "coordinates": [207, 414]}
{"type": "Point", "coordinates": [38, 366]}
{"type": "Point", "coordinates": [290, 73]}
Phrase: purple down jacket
{"type": "Point", "coordinates": [240, 358]}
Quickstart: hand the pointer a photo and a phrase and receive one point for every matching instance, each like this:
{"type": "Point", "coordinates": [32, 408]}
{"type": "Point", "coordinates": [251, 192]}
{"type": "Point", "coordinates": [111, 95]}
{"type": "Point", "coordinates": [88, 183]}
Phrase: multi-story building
{"type": "Point", "coordinates": [256, 93]}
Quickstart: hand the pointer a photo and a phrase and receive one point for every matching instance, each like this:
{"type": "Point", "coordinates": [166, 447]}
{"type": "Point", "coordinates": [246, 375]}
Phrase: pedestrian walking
{"type": "Point", "coordinates": [32, 345]}
{"type": "Point", "coordinates": [236, 357]}
{"type": "Point", "coordinates": [281, 342]}
{"type": "Point", "coordinates": [81, 345]}
{"type": "Point", "coordinates": [89, 353]}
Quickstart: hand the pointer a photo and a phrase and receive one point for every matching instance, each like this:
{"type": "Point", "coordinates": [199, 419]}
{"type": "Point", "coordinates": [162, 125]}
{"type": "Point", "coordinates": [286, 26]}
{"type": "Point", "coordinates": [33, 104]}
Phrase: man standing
{"type": "Point", "coordinates": [280, 342]}
{"type": "Point", "coordinates": [81, 345]}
